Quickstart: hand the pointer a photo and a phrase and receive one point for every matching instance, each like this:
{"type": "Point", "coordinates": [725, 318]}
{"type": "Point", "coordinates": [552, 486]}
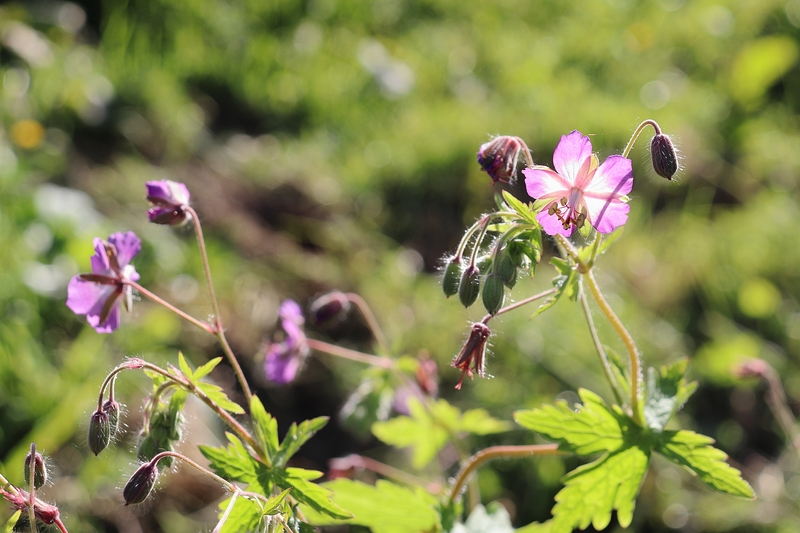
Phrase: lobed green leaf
{"type": "Point", "coordinates": [593, 491]}
{"type": "Point", "coordinates": [384, 508]}
{"type": "Point", "coordinates": [218, 396]}
{"type": "Point", "coordinates": [695, 453]}
{"type": "Point", "coordinates": [266, 427]}
{"type": "Point", "coordinates": [591, 429]}
{"type": "Point", "coordinates": [666, 392]}
{"type": "Point", "coordinates": [296, 437]}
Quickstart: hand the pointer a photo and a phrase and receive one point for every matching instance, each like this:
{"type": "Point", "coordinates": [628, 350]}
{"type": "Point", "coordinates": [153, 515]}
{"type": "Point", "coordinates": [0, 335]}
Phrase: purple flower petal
{"type": "Point", "coordinates": [552, 226]}
{"type": "Point", "coordinates": [614, 176]}
{"type": "Point", "coordinates": [281, 363]}
{"type": "Point", "coordinates": [127, 245]}
{"type": "Point", "coordinates": [607, 215]}
{"type": "Point", "coordinates": [89, 298]}
{"type": "Point", "coordinates": [290, 311]}
{"type": "Point", "coordinates": [167, 193]}
{"type": "Point", "coordinates": [99, 260]}
{"type": "Point", "coordinates": [571, 152]}
{"type": "Point", "coordinates": [542, 182]}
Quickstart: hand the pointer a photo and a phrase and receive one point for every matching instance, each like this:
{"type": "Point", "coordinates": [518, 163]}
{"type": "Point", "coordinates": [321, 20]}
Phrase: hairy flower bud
{"type": "Point", "coordinates": [664, 156]}
{"type": "Point", "coordinates": [469, 286]}
{"type": "Point", "coordinates": [111, 409]}
{"type": "Point", "coordinates": [494, 293]}
{"type": "Point", "coordinates": [39, 470]}
{"type": "Point", "coordinates": [141, 484]}
{"type": "Point", "coordinates": [328, 306]}
{"type": "Point", "coordinates": [499, 157]}
{"type": "Point", "coordinates": [99, 432]}
{"type": "Point", "coordinates": [452, 276]}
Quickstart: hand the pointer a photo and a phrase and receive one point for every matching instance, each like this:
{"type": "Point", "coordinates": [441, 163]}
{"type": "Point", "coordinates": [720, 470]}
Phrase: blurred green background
{"type": "Point", "coordinates": [330, 144]}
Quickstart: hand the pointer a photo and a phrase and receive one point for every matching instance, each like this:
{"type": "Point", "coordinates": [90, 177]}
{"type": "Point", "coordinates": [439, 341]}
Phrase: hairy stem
{"type": "Point", "coordinates": [637, 132]}
{"type": "Point", "coordinates": [520, 303]}
{"type": "Point", "coordinates": [220, 330]}
{"type": "Point", "coordinates": [498, 452]}
{"type": "Point", "coordinates": [601, 353]}
{"type": "Point", "coordinates": [630, 345]}
{"type": "Point", "coordinates": [222, 413]}
{"type": "Point", "coordinates": [208, 328]}
{"type": "Point", "coordinates": [32, 487]}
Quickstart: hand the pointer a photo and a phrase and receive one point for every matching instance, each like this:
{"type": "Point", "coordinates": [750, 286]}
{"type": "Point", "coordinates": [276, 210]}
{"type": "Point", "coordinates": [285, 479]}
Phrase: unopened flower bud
{"type": "Point", "coordinates": [494, 293]}
{"type": "Point", "coordinates": [39, 470]}
{"type": "Point", "coordinates": [170, 200]}
{"type": "Point", "coordinates": [452, 276]}
{"type": "Point", "coordinates": [141, 484]}
{"type": "Point", "coordinates": [499, 157]}
{"type": "Point", "coordinates": [664, 156]}
{"type": "Point", "coordinates": [99, 432]}
{"type": "Point", "coordinates": [329, 306]}
{"type": "Point", "coordinates": [111, 409]}
{"type": "Point", "coordinates": [507, 271]}
{"type": "Point", "coordinates": [469, 286]}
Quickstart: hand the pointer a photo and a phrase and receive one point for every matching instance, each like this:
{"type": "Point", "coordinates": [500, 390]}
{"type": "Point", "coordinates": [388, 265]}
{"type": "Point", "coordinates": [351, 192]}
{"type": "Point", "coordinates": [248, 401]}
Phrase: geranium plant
{"type": "Point", "coordinates": [582, 205]}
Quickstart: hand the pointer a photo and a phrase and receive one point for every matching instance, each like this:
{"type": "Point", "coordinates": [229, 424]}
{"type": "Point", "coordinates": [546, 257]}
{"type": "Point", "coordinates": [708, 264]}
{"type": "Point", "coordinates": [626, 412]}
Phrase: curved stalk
{"type": "Point", "coordinates": [220, 330]}
{"type": "Point", "coordinates": [498, 452]}
{"type": "Point", "coordinates": [208, 328]}
{"type": "Point", "coordinates": [352, 355]}
{"type": "Point", "coordinates": [630, 345]}
{"type": "Point", "coordinates": [372, 322]}
{"type": "Point", "coordinates": [32, 487]}
{"type": "Point", "coordinates": [601, 353]}
{"type": "Point", "coordinates": [520, 303]}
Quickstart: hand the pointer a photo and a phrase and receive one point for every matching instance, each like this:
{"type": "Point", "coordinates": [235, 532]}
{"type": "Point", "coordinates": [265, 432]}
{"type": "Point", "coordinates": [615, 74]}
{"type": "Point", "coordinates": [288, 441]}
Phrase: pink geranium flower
{"type": "Point", "coordinates": [582, 190]}
{"type": "Point", "coordinates": [284, 359]}
{"type": "Point", "coordinates": [97, 295]}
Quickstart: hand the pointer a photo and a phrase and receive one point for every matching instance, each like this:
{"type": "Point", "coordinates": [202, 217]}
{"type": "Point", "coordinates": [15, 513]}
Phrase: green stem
{"type": "Point", "coordinates": [599, 347]}
{"type": "Point", "coordinates": [498, 452]}
{"type": "Point", "coordinates": [220, 330]}
{"type": "Point", "coordinates": [630, 345]}
{"type": "Point", "coordinates": [32, 487]}
{"type": "Point", "coordinates": [520, 303]}
{"type": "Point", "coordinates": [637, 132]}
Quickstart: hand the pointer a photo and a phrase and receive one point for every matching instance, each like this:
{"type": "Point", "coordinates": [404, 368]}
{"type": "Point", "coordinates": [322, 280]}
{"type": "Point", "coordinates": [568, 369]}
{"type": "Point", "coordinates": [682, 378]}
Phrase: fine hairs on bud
{"type": "Point", "coordinates": [664, 156]}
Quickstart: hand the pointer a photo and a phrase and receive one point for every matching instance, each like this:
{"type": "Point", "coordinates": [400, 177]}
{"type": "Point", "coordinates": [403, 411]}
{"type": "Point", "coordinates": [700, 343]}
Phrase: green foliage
{"type": "Point", "coordinates": [384, 507]}
{"type": "Point", "coordinates": [429, 428]}
{"type": "Point", "coordinates": [236, 464]}
{"type": "Point", "coordinates": [566, 283]}
{"type": "Point", "coordinates": [214, 392]}
{"type": "Point", "coordinates": [592, 491]}
{"type": "Point", "coordinates": [249, 514]}
{"type": "Point", "coordinates": [493, 518]}
{"type": "Point", "coordinates": [666, 392]}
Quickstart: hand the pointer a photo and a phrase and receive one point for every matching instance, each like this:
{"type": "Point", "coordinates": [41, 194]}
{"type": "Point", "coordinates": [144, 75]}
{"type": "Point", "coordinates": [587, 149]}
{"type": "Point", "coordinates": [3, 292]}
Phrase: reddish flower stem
{"type": "Point", "coordinates": [498, 452]}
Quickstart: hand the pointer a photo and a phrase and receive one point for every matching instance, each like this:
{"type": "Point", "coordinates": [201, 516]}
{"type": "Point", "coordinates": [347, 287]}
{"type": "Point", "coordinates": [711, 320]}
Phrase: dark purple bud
{"type": "Point", "coordinates": [469, 286]}
{"type": "Point", "coordinates": [111, 409]}
{"type": "Point", "coordinates": [39, 470]}
{"type": "Point", "coordinates": [329, 306]}
{"type": "Point", "coordinates": [664, 156]}
{"type": "Point", "coordinates": [473, 352]}
{"type": "Point", "coordinates": [141, 484]}
{"type": "Point", "coordinates": [499, 157]}
{"type": "Point", "coordinates": [169, 199]}
{"type": "Point", "coordinates": [99, 432]}
{"type": "Point", "coordinates": [452, 276]}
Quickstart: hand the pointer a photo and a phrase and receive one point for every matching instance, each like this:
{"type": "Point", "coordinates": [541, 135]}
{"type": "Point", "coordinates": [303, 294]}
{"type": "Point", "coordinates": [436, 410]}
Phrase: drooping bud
{"type": "Point", "coordinates": [170, 200]}
{"type": "Point", "coordinates": [39, 470]}
{"type": "Point", "coordinates": [472, 353]}
{"type": "Point", "coordinates": [141, 484]}
{"type": "Point", "coordinates": [507, 270]}
{"type": "Point", "coordinates": [99, 432]}
{"type": "Point", "coordinates": [664, 156]}
{"type": "Point", "coordinates": [452, 276]}
{"type": "Point", "coordinates": [328, 306]}
{"type": "Point", "coordinates": [469, 286]}
{"type": "Point", "coordinates": [111, 409]}
{"type": "Point", "coordinates": [499, 157]}
{"type": "Point", "coordinates": [494, 293]}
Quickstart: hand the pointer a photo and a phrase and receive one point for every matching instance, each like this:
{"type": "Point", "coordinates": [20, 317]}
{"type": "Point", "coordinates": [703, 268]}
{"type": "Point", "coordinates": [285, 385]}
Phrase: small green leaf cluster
{"type": "Point", "coordinates": [264, 474]}
{"type": "Point", "coordinates": [611, 481]}
{"type": "Point", "coordinates": [430, 427]}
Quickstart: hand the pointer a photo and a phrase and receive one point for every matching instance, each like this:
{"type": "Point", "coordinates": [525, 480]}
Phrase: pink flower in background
{"type": "Point", "coordinates": [284, 359]}
{"type": "Point", "coordinates": [582, 190]}
{"type": "Point", "coordinates": [97, 295]}
{"type": "Point", "coordinates": [169, 199]}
